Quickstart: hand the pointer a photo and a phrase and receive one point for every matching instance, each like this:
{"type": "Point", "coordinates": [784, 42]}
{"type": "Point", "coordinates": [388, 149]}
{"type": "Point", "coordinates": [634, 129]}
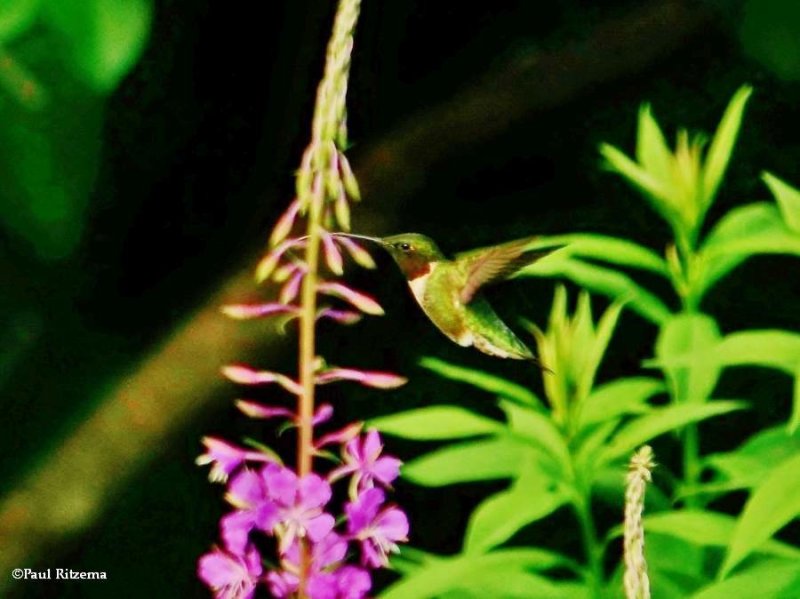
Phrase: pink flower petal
{"type": "Point", "coordinates": [333, 258]}
{"type": "Point", "coordinates": [254, 409]}
{"type": "Point", "coordinates": [318, 527]}
{"type": "Point", "coordinates": [247, 376]}
{"type": "Point", "coordinates": [372, 445]}
{"type": "Point", "coordinates": [357, 299]}
{"type": "Point", "coordinates": [270, 261]}
{"type": "Point", "coordinates": [386, 469]}
{"type": "Point", "coordinates": [343, 435]}
{"type": "Point", "coordinates": [340, 316]}
{"type": "Point", "coordinates": [247, 311]}
{"type": "Point", "coordinates": [342, 211]}
{"type": "Point", "coordinates": [379, 380]}
{"type": "Point", "coordinates": [323, 414]}
{"type": "Point", "coordinates": [361, 256]}
{"type": "Point", "coordinates": [348, 178]}
{"type": "Point", "coordinates": [292, 287]}
{"type": "Point", "coordinates": [284, 224]}
{"type": "Point", "coordinates": [393, 524]}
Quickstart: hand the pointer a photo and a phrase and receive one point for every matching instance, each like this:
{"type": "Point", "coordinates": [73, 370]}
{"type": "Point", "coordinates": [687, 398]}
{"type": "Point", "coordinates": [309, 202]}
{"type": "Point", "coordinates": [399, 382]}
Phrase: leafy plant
{"type": "Point", "coordinates": [566, 451]}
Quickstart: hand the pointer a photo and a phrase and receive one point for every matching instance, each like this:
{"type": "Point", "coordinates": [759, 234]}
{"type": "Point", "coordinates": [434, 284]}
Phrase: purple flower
{"type": "Point", "coordinates": [230, 576]}
{"type": "Point", "coordinates": [362, 457]}
{"type": "Point", "coordinates": [348, 582]}
{"type": "Point", "coordinates": [328, 551]}
{"type": "Point", "coordinates": [226, 457]}
{"type": "Point", "coordinates": [299, 504]}
{"type": "Point", "coordinates": [247, 492]}
{"type": "Point", "coordinates": [378, 530]}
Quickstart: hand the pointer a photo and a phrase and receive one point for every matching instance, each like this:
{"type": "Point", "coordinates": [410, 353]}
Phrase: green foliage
{"type": "Point", "coordinates": [61, 58]}
{"type": "Point", "coordinates": [571, 454]}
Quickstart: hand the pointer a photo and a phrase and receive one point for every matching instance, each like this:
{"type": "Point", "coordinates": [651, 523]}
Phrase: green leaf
{"type": "Point", "coordinates": [540, 431]}
{"type": "Point", "coordinates": [747, 465]}
{"type": "Point", "coordinates": [773, 579]}
{"type": "Point", "coordinates": [774, 503]}
{"type": "Point", "coordinates": [105, 37]}
{"type": "Point", "coordinates": [608, 282]}
{"type": "Point", "coordinates": [16, 17]}
{"type": "Point", "coordinates": [721, 148]}
{"type": "Point", "coordinates": [652, 151]}
{"type": "Point", "coordinates": [752, 229]}
{"type": "Point", "coordinates": [705, 528]}
{"type": "Point", "coordinates": [794, 421]}
{"type": "Point", "coordinates": [744, 231]}
{"type": "Point", "coordinates": [654, 189]}
{"type": "Point", "coordinates": [481, 571]}
{"type": "Point", "coordinates": [531, 497]}
{"type": "Point", "coordinates": [596, 349]}
{"type": "Point", "coordinates": [610, 249]}
{"type": "Point", "coordinates": [617, 398]}
{"type": "Point", "coordinates": [788, 199]}
{"type": "Point", "coordinates": [482, 380]}
{"type": "Point", "coordinates": [433, 423]}
{"type": "Point", "coordinates": [689, 333]}
{"type": "Point", "coordinates": [772, 348]}
{"type": "Point", "coordinates": [660, 421]}
{"type": "Point", "coordinates": [484, 459]}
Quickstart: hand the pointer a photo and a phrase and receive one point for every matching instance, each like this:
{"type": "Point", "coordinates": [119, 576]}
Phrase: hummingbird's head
{"type": "Point", "coordinates": [413, 253]}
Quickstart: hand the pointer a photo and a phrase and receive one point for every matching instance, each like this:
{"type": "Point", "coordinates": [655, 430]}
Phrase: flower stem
{"type": "Point", "coordinates": [307, 351]}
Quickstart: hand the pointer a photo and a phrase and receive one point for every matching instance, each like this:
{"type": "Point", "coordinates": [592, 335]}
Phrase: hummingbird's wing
{"type": "Point", "coordinates": [488, 265]}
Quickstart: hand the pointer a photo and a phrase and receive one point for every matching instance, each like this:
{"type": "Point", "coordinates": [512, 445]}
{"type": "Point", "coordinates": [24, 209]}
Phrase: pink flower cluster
{"type": "Point", "coordinates": [272, 500]}
{"type": "Point", "coordinates": [319, 556]}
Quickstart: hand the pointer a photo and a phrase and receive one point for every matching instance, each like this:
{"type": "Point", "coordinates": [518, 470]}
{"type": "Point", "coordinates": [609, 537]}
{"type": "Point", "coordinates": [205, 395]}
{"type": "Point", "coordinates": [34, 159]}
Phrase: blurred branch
{"type": "Point", "coordinates": [66, 494]}
{"type": "Point", "coordinates": [526, 85]}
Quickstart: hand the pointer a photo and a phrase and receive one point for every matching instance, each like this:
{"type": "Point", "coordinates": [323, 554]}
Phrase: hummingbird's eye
{"type": "Point", "coordinates": [406, 247]}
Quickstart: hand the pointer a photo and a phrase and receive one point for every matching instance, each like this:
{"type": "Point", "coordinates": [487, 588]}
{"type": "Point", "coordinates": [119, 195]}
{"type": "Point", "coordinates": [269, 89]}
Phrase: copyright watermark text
{"type": "Point", "coordinates": [56, 574]}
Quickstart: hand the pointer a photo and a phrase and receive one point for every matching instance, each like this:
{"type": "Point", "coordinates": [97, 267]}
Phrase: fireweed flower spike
{"type": "Point", "coordinates": [312, 532]}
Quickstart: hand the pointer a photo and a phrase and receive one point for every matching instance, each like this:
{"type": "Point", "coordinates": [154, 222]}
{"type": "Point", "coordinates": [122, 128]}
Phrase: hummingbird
{"type": "Point", "coordinates": [449, 290]}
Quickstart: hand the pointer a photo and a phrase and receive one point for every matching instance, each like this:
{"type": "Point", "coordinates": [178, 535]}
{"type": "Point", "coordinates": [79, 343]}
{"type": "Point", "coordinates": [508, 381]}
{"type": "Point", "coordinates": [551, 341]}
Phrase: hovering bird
{"type": "Point", "coordinates": [449, 291]}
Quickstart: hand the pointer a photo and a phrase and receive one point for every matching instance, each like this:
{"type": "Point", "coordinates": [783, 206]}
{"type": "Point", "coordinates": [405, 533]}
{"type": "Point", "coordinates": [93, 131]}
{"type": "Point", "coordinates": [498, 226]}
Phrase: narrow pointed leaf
{"type": "Point", "coordinates": [706, 528]}
{"type": "Point", "coordinates": [773, 579]}
{"type": "Point", "coordinates": [742, 232]}
{"type": "Point", "coordinates": [660, 421]}
{"type": "Point", "coordinates": [482, 380]}
{"type": "Point", "coordinates": [749, 464]}
{"type": "Point", "coordinates": [538, 429]}
{"type": "Point", "coordinates": [623, 396]}
{"type": "Point", "coordinates": [719, 153]}
{"type": "Point", "coordinates": [617, 251]}
{"type": "Point", "coordinates": [771, 348]}
{"type": "Point", "coordinates": [652, 151]}
{"type": "Point", "coordinates": [774, 503]}
{"type": "Point", "coordinates": [788, 199]}
{"type": "Point", "coordinates": [655, 191]}
{"type": "Point", "coordinates": [597, 348]}
{"type": "Point", "coordinates": [794, 421]}
{"type": "Point", "coordinates": [606, 281]}
{"type": "Point", "coordinates": [531, 497]}
{"type": "Point", "coordinates": [484, 459]}
{"type": "Point", "coordinates": [437, 577]}
{"type": "Point", "coordinates": [436, 423]}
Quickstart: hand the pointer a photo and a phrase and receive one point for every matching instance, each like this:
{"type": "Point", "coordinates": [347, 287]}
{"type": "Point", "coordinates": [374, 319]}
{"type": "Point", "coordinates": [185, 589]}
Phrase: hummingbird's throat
{"type": "Point", "coordinates": [415, 270]}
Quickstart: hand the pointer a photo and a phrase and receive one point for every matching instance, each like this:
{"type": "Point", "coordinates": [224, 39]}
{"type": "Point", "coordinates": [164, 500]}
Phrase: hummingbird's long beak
{"type": "Point", "coordinates": [377, 240]}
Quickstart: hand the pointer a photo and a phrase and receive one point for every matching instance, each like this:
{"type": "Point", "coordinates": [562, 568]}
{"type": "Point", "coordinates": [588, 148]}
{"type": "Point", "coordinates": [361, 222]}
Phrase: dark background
{"type": "Point", "coordinates": [199, 144]}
